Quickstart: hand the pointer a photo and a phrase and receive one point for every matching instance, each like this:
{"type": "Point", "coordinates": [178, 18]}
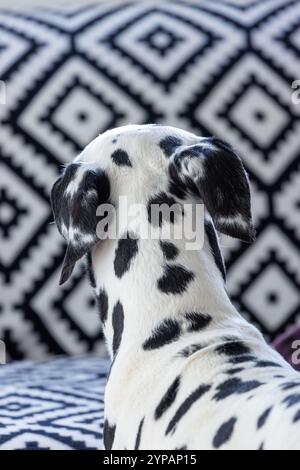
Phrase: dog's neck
{"type": "Point", "coordinates": [154, 288]}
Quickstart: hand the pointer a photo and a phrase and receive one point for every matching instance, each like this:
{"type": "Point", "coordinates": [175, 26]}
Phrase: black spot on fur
{"type": "Point", "coordinates": [234, 371]}
{"type": "Point", "coordinates": [262, 446]}
{"type": "Point", "coordinates": [118, 326]}
{"type": "Point", "coordinates": [241, 359]}
{"type": "Point", "coordinates": [159, 209]}
{"type": "Point", "coordinates": [215, 248]}
{"type": "Point", "coordinates": [224, 434]}
{"type": "Point", "coordinates": [121, 158]}
{"type": "Point", "coordinates": [139, 435]}
{"type": "Point", "coordinates": [263, 418]}
{"type": "Point", "coordinates": [90, 270]}
{"type": "Point", "coordinates": [186, 405]}
{"type": "Point", "coordinates": [115, 139]}
{"type": "Point", "coordinates": [290, 385]}
{"type": "Point", "coordinates": [189, 350]}
{"type": "Point", "coordinates": [175, 279]}
{"type": "Point", "coordinates": [168, 399]}
{"type": "Point", "coordinates": [176, 190]}
{"type": "Point", "coordinates": [102, 302]}
{"type": "Point", "coordinates": [165, 333]}
{"type": "Point", "coordinates": [235, 386]}
{"type": "Point", "coordinates": [176, 186]}
{"type": "Point", "coordinates": [233, 348]}
{"type": "Point", "coordinates": [108, 435]}
{"type": "Point", "coordinates": [296, 417]}
{"type": "Point", "coordinates": [181, 448]}
{"type": "Point", "coordinates": [126, 250]}
{"type": "Point", "coordinates": [292, 400]}
{"type": "Point", "coordinates": [169, 144]}
{"type": "Point", "coordinates": [169, 250]}
{"type": "Point", "coordinates": [262, 364]}
{"type": "Point", "coordinates": [197, 321]}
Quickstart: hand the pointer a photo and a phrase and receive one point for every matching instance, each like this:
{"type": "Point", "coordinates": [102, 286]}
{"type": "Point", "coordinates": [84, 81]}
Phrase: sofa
{"type": "Point", "coordinates": [69, 72]}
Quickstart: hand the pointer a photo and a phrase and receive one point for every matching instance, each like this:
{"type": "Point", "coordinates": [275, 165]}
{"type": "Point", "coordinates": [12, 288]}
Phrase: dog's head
{"type": "Point", "coordinates": [149, 163]}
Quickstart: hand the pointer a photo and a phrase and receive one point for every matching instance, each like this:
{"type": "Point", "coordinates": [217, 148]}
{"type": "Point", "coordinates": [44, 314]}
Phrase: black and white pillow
{"type": "Point", "coordinates": [224, 67]}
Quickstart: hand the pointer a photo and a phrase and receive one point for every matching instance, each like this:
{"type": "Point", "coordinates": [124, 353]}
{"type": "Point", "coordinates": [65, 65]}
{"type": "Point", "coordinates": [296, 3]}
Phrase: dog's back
{"type": "Point", "coordinates": [227, 395]}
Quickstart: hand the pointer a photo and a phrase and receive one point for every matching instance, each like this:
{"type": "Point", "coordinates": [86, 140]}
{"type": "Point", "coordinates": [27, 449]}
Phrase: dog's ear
{"type": "Point", "coordinates": [75, 197]}
{"type": "Point", "coordinates": [213, 170]}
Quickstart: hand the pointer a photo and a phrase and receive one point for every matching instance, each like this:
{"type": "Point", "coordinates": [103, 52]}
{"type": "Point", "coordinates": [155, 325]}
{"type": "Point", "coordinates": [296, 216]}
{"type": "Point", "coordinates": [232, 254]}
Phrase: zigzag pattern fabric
{"type": "Point", "coordinates": [221, 68]}
{"type": "Point", "coordinates": [56, 405]}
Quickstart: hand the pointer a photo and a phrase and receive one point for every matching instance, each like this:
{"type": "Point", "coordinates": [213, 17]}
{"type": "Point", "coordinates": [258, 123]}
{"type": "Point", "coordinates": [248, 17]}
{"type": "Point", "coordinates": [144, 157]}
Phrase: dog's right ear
{"type": "Point", "coordinates": [213, 170]}
{"type": "Point", "coordinates": [75, 197]}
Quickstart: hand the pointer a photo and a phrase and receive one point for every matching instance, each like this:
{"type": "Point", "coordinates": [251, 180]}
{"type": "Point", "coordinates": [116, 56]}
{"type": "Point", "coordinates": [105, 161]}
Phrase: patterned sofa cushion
{"type": "Point", "coordinates": [224, 67]}
{"type": "Point", "coordinates": [55, 405]}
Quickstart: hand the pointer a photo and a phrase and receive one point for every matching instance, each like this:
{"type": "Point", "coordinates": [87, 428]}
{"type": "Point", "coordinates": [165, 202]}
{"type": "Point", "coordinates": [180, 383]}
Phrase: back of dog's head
{"type": "Point", "coordinates": [149, 164]}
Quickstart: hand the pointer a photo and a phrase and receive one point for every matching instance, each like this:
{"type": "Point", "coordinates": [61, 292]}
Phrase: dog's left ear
{"type": "Point", "coordinates": [75, 197]}
{"type": "Point", "coordinates": [214, 171]}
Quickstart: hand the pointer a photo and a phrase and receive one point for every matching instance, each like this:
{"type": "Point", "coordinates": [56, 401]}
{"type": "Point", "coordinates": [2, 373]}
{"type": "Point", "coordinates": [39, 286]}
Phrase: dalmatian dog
{"type": "Point", "coordinates": [188, 372]}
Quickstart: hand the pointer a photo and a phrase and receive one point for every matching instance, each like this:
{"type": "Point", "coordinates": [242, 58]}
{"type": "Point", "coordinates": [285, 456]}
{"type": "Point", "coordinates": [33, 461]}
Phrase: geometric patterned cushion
{"type": "Point", "coordinates": [55, 405]}
{"type": "Point", "coordinates": [222, 67]}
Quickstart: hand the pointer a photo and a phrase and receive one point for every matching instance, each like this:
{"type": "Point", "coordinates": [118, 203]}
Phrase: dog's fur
{"type": "Point", "coordinates": [188, 371]}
